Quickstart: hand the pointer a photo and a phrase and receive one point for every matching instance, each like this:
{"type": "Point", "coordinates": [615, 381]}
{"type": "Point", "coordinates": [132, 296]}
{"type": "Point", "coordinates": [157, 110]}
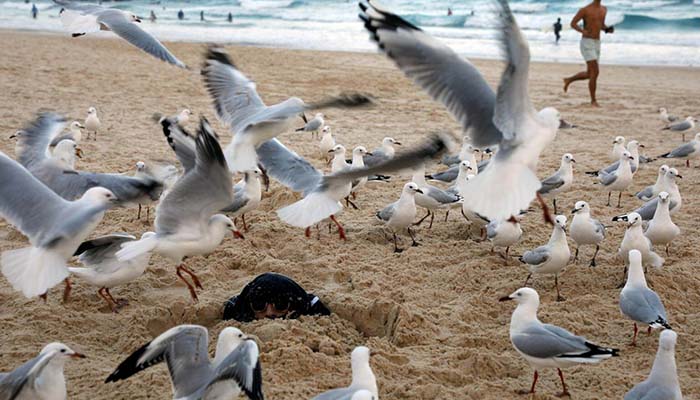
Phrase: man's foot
{"type": "Point", "coordinates": [595, 104]}
{"type": "Point", "coordinates": [567, 82]}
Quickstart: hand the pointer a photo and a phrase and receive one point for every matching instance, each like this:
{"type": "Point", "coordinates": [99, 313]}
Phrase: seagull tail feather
{"type": "Point", "coordinates": [310, 210]}
{"type": "Point", "coordinates": [33, 270]}
{"type": "Point", "coordinates": [131, 250]}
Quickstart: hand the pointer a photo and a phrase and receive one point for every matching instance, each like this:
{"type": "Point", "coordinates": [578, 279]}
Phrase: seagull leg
{"type": "Point", "coordinates": [193, 293]}
{"type": "Point", "coordinates": [410, 233]}
{"type": "Point", "coordinates": [556, 284]}
{"type": "Point", "coordinates": [245, 226]}
{"type": "Point", "coordinates": [619, 197]}
{"type": "Point", "coordinates": [396, 245]}
{"type": "Point", "coordinates": [527, 280]}
{"type": "Point", "coordinates": [687, 163]}
{"type": "Point", "coordinates": [634, 337]}
{"type": "Point", "coordinates": [119, 303]}
{"type": "Point", "coordinates": [609, 193]}
{"type": "Point", "coordinates": [44, 297]}
{"type": "Point", "coordinates": [649, 330]}
{"type": "Point", "coordinates": [447, 214]}
{"type": "Point", "coordinates": [420, 221]}
{"type": "Point", "coordinates": [341, 231]}
{"type": "Point", "coordinates": [565, 392]}
{"type": "Point", "coordinates": [593, 264]}
{"type": "Point", "coordinates": [347, 200]}
{"type": "Point", "coordinates": [532, 388]}
{"type": "Point", "coordinates": [109, 301]}
{"type": "Point", "coordinates": [66, 290]}
{"type": "Point", "coordinates": [195, 279]}
{"type": "Point", "coordinates": [667, 246]}
{"type": "Point", "coordinates": [576, 255]}
{"type": "Point", "coordinates": [432, 217]}
{"type": "Point", "coordinates": [545, 210]}
{"type": "Point", "coordinates": [138, 215]}
{"type": "Point", "coordinates": [307, 232]}
{"type": "Point", "coordinates": [554, 202]}
{"type": "Point", "coordinates": [148, 213]}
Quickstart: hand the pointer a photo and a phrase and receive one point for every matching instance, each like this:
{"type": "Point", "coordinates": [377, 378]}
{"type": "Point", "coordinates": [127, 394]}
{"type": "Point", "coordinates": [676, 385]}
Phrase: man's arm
{"type": "Point", "coordinates": [607, 29]}
{"type": "Point", "coordinates": [577, 18]}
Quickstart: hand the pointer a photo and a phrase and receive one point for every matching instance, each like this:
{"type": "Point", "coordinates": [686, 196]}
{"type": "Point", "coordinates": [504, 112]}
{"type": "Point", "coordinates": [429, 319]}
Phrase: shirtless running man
{"type": "Point", "coordinates": [593, 16]}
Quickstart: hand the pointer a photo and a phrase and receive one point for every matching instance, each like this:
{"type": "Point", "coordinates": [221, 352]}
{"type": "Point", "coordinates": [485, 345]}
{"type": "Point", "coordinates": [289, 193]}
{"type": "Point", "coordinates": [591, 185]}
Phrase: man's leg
{"type": "Point", "coordinates": [581, 76]}
{"type": "Point", "coordinates": [593, 80]}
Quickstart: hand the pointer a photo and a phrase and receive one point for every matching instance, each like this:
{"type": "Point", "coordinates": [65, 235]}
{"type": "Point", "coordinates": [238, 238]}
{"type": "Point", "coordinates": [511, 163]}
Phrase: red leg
{"type": "Point", "coordinates": [341, 231]}
{"type": "Point", "coordinates": [109, 301]}
{"type": "Point", "coordinates": [66, 290]}
{"type": "Point", "coordinates": [565, 391]}
{"type": "Point", "coordinates": [193, 293]}
{"type": "Point", "coordinates": [545, 210]}
{"type": "Point", "coordinates": [238, 234]}
{"type": "Point", "coordinates": [634, 337]}
{"type": "Point", "coordinates": [532, 388]}
{"type": "Point", "coordinates": [195, 279]}
{"type": "Point", "coordinates": [649, 331]}
{"type": "Point", "coordinates": [245, 227]}
{"type": "Point", "coordinates": [307, 231]}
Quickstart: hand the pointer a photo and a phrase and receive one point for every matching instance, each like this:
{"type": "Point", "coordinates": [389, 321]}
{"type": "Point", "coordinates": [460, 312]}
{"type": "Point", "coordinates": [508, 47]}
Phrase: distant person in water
{"type": "Point", "coordinates": [593, 16]}
{"type": "Point", "coordinates": [201, 15]}
{"type": "Point", "coordinates": [35, 11]}
{"type": "Point", "coordinates": [153, 17]}
{"type": "Point", "coordinates": [449, 11]}
{"type": "Point", "coordinates": [230, 17]}
{"type": "Point", "coordinates": [557, 30]}
{"type": "Point", "coordinates": [180, 15]}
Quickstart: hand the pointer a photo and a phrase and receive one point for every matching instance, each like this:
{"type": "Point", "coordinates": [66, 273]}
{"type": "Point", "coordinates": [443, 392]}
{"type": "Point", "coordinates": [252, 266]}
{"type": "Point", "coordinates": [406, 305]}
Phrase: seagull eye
{"type": "Point", "coordinates": [63, 350]}
{"type": "Point", "coordinates": [240, 335]}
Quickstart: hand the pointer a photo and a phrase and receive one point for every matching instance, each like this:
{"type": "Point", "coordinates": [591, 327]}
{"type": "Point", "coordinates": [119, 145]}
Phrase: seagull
{"type": "Point", "coordinates": [41, 377]}
{"type": "Point", "coordinates": [472, 217]}
{"type": "Point", "coordinates": [54, 226]}
{"type": "Point", "coordinates": [638, 302]}
{"type": "Point", "coordinates": [432, 198]}
{"type": "Point", "coordinates": [652, 191]}
{"type": "Point", "coordinates": [64, 180]}
{"type": "Point", "coordinates": [552, 257]}
{"type": "Point", "coordinates": [662, 382]}
{"type": "Point", "coordinates": [400, 214]}
{"type": "Point", "coordinates": [618, 180]}
{"type": "Point", "coordinates": [618, 148]}
{"type": "Point", "coordinates": [661, 229]}
{"type": "Point", "coordinates": [586, 230]}
{"type": "Point", "coordinates": [465, 170]}
{"type": "Point", "coordinates": [363, 395]}
{"type": "Point", "coordinates": [666, 117]}
{"type": "Point", "coordinates": [681, 126]}
{"type": "Point", "coordinates": [507, 119]}
{"type": "Point", "coordinates": [235, 367]}
{"type": "Point", "coordinates": [647, 210]}
{"type": "Point", "coordinates": [183, 116]}
{"type": "Point", "coordinates": [187, 223]}
{"type": "Point", "coordinates": [165, 173]}
{"type": "Point", "coordinates": [545, 345]}
{"type": "Point", "coordinates": [246, 197]}
{"type": "Point", "coordinates": [82, 19]}
{"type": "Point", "coordinates": [313, 125]}
{"type": "Point", "coordinates": [468, 153]}
{"type": "Point", "coordinates": [634, 239]}
{"type": "Point", "coordinates": [383, 153]}
{"type": "Point", "coordinates": [339, 164]}
{"type": "Point", "coordinates": [504, 234]}
{"type": "Point", "coordinates": [65, 152]}
{"type": "Point", "coordinates": [560, 181]}
{"type": "Point", "coordinates": [251, 122]}
{"type": "Point", "coordinates": [104, 270]}
{"type": "Point", "coordinates": [566, 125]}
{"type": "Point", "coordinates": [322, 194]}
{"type": "Point", "coordinates": [74, 133]}
{"type": "Point", "coordinates": [92, 123]}
{"type": "Point", "coordinates": [633, 148]}
{"type": "Point", "coordinates": [327, 142]}
{"type": "Point", "coordinates": [362, 378]}
{"type": "Point", "coordinates": [687, 151]}
{"type": "Point", "coordinates": [358, 161]}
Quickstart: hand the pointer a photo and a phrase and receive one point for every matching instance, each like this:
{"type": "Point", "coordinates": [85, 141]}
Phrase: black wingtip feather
{"type": "Point", "coordinates": [216, 53]}
{"type": "Point", "coordinates": [207, 146]}
{"type": "Point", "coordinates": [130, 366]}
{"type": "Point", "coordinates": [256, 392]}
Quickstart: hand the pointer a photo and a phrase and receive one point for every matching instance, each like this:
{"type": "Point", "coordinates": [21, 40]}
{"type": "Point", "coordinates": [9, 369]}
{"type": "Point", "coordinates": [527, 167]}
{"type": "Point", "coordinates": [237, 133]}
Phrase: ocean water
{"type": "Point", "coordinates": [648, 32]}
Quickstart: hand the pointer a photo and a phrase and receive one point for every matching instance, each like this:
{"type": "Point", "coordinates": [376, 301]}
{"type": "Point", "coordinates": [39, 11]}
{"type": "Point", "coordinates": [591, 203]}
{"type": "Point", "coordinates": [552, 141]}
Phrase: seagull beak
{"type": "Point", "coordinates": [138, 19]}
{"type": "Point", "coordinates": [331, 151]}
{"type": "Point", "coordinates": [397, 143]}
{"type": "Point", "coordinates": [573, 160]}
{"type": "Point", "coordinates": [642, 146]}
{"type": "Point", "coordinates": [303, 117]}
{"type": "Point", "coordinates": [679, 176]}
{"type": "Point", "coordinates": [369, 153]}
{"type": "Point", "coordinates": [419, 191]}
{"type": "Point", "coordinates": [574, 211]}
{"type": "Point", "coordinates": [505, 298]}
{"type": "Point", "coordinates": [81, 126]}
{"type": "Point", "coordinates": [79, 152]}
{"type": "Point", "coordinates": [237, 234]}
{"type": "Point", "coordinates": [14, 135]}
{"type": "Point", "coordinates": [78, 355]}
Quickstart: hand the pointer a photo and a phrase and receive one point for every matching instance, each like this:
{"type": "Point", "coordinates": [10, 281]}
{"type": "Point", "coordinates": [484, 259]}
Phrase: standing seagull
{"type": "Point", "coordinates": [586, 230]}
{"type": "Point", "coordinates": [552, 257]}
{"type": "Point", "coordinates": [187, 223]}
{"type": "Point", "coordinates": [647, 210]}
{"type": "Point", "coordinates": [620, 179]}
{"type": "Point", "coordinates": [358, 161]}
{"type": "Point", "coordinates": [74, 133]}
{"type": "Point", "coordinates": [681, 126]}
{"type": "Point", "coordinates": [666, 117]}
{"type": "Point", "coordinates": [383, 153]}
{"type": "Point", "coordinates": [55, 227]}
{"type": "Point", "coordinates": [504, 234]}
{"type": "Point", "coordinates": [400, 214]}
{"type": "Point", "coordinates": [81, 19]}
{"type": "Point", "coordinates": [652, 191]}
{"type": "Point", "coordinates": [40, 378]}
{"type": "Point", "coordinates": [432, 198]}
{"type": "Point", "coordinates": [545, 345]}
{"type": "Point", "coordinates": [327, 142]}
{"type": "Point", "coordinates": [104, 270]}
{"type": "Point", "coordinates": [235, 367]}
{"type": "Point", "coordinates": [251, 122]}
{"type": "Point", "coordinates": [618, 148]}
{"type": "Point", "coordinates": [92, 123]}
{"type": "Point", "coordinates": [687, 151]}
{"type": "Point", "coordinates": [662, 383]}
{"type": "Point", "coordinates": [661, 229]}
{"type": "Point", "coordinates": [632, 147]}
{"type": "Point", "coordinates": [362, 378]}
{"type": "Point", "coordinates": [313, 125]}
{"type": "Point", "coordinates": [246, 197]}
{"type": "Point", "coordinates": [507, 119]}
{"type": "Point", "coordinates": [638, 302]}
{"type": "Point", "coordinates": [560, 181]}
{"type": "Point", "coordinates": [634, 239]}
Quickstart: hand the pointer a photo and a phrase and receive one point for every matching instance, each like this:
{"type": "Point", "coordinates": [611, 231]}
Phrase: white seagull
{"type": "Point", "coordinates": [545, 345]}
{"type": "Point", "coordinates": [432, 198]}
{"type": "Point", "coordinates": [634, 239]}
{"type": "Point", "coordinates": [80, 19]}
{"type": "Point", "coordinates": [666, 117]}
{"type": "Point", "coordinates": [313, 125]}
{"type": "Point", "coordinates": [586, 230]}
{"type": "Point", "coordinates": [507, 119]}
{"type": "Point", "coordinates": [662, 383]}
{"type": "Point", "coordinates": [247, 194]}
{"type": "Point", "coordinates": [92, 123]}
{"type": "Point", "coordinates": [560, 181]}
{"type": "Point", "coordinates": [682, 126]}
{"type": "Point", "coordinates": [652, 191]}
{"type": "Point", "coordinates": [327, 142]}
{"type": "Point", "coordinates": [647, 210]}
{"type": "Point", "coordinates": [618, 180]}
{"type": "Point", "coordinates": [362, 378]}
{"type": "Point", "coordinates": [618, 148]}
{"type": "Point", "coordinates": [661, 229]}
{"type": "Point", "coordinates": [400, 214]}
{"type": "Point", "coordinates": [504, 234]}
{"type": "Point", "coordinates": [686, 151]}
{"type": "Point", "coordinates": [552, 257]}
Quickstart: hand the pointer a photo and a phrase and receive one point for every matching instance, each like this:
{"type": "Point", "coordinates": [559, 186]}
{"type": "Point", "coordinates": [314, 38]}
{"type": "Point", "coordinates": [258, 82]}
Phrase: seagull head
{"type": "Point", "coordinates": [626, 156]}
{"type": "Point", "coordinates": [667, 340]}
{"type": "Point", "coordinates": [319, 116]}
{"type": "Point", "coordinates": [66, 150]}
{"type": "Point", "coordinates": [633, 219]}
{"type": "Point", "coordinates": [92, 111]}
{"type": "Point", "coordinates": [326, 129]}
{"type": "Point", "coordinates": [360, 151]}
{"type": "Point", "coordinates": [100, 195]}
{"type": "Point", "coordinates": [524, 295]}
{"type": "Point", "coordinates": [337, 149]}
{"type": "Point", "coordinates": [560, 222]}
{"type": "Point", "coordinates": [75, 125]}
{"type": "Point", "coordinates": [411, 188]}
{"type": "Point", "coordinates": [140, 166]}
{"type": "Point", "coordinates": [133, 17]}
{"type": "Point", "coordinates": [61, 350]}
{"type": "Point", "coordinates": [389, 141]}
{"type": "Point", "coordinates": [663, 110]}
{"type": "Point", "coordinates": [581, 206]}
{"type": "Point", "coordinates": [567, 158]}
{"type": "Point", "coordinates": [223, 221]}
{"type": "Point", "coordinates": [633, 145]}
{"type": "Point", "coordinates": [663, 169]}
{"type": "Point", "coordinates": [697, 137]}
{"type": "Point", "coordinates": [673, 174]}
{"type": "Point", "coordinates": [253, 173]}
{"type": "Point", "coordinates": [551, 117]}
{"type": "Point", "coordinates": [619, 140]}
{"type": "Point", "coordinates": [16, 134]}
{"type": "Point", "coordinates": [465, 166]}
{"type": "Point", "coordinates": [663, 197]}
{"type": "Point", "coordinates": [360, 356]}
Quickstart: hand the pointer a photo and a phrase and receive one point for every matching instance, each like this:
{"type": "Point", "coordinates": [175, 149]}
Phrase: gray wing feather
{"type": "Point", "coordinates": [33, 143]}
{"type": "Point", "coordinates": [682, 151]}
{"type": "Point", "coordinates": [442, 196]}
{"type": "Point", "coordinates": [546, 341]}
{"type": "Point", "coordinates": [607, 178]}
{"type": "Point", "coordinates": [239, 201]}
{"type": "Point", "coordinates": [680, 126]}
{"type": "Point", "coordinates": [313, 125]}
{"type": "Point", "coordinates": [491, 229]}
{"type": "Point", "coordinates": [242, 366]}
{"type": "Point", "coordinates": [96, 251]}
{"type": "Point", "coordinates": [288, 167]}
{"type": "Point", "coordinates": [438, 70]}
{"type": "Point", "coordinates": [11, 384]}
{"type": "Point", "coordinates": [553, 182]}
{"type": "Point", "coordinates": [512, 100]}
{"type": "Point", "coordinates": [647, 210]}
{"type": "Point", "coordinates": [448, 175]}
{"type": "Point", "coordinates": [386, 213]}
{"type": "Point", "coordinates": [376, 158]}
{"type": "Point", "coordinates": [536, 256]}
{"type": "Point", "coordinates": [181, 141]}
{"type": "Point", "coordinates": [650, 391]}
{"type": "Point", "coordinates": [132, 33]}
{"type": "Point", "coordinates": [201, 192]}
{"type": "Point", "coordinates": [599, 228]}
{"type": "Point", "coordinates": [336, 394]}
{"type": "Point", "coordinates": [642, 304]}
{"type": "Point", "coordinates": [646, 193]}
{"type": "Point", "coordinates": [610, 168]}
{"type": "Point", "coordinates": [58, 139]}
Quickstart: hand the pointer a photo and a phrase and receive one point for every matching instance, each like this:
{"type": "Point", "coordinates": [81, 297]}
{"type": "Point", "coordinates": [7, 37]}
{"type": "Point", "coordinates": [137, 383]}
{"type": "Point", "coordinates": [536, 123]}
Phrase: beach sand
{"type": "Point", "coordinates": [431, 314]}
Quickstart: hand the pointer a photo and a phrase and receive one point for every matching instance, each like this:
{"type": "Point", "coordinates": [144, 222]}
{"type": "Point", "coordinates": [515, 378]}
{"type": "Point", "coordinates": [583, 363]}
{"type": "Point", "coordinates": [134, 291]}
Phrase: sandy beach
{"type": "Point", "coordinates": [431, 314]}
